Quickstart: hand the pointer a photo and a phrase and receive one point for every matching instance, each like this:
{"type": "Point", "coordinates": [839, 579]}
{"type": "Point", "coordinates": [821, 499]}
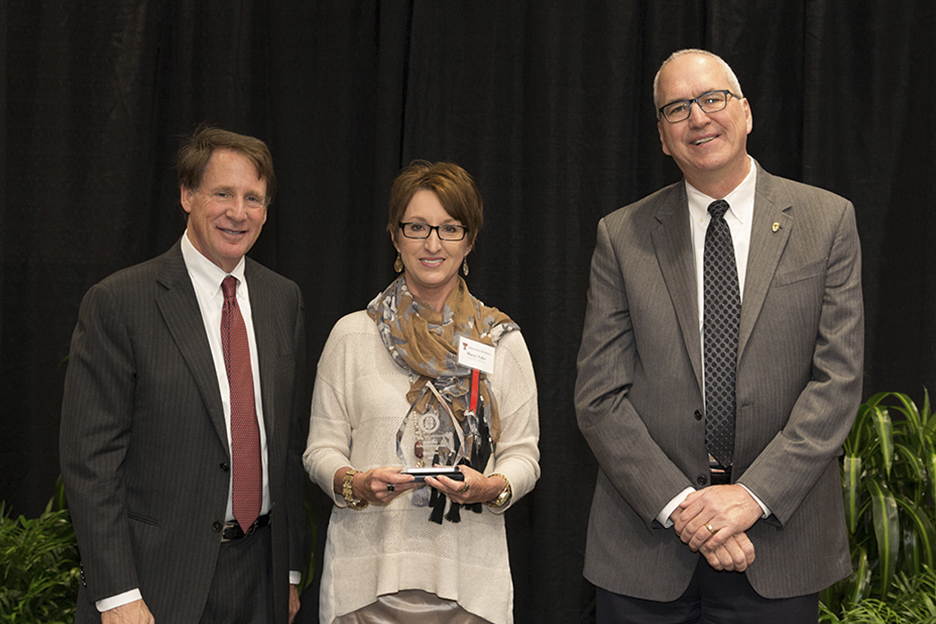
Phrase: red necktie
{"type": "Point", "coordinates": [245, 433]}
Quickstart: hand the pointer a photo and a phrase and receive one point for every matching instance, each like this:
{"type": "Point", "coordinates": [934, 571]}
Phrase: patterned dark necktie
{"type": "Point", "coordinates": [722, 317]}
{"type": "Point", "coordinates": [247, 472]}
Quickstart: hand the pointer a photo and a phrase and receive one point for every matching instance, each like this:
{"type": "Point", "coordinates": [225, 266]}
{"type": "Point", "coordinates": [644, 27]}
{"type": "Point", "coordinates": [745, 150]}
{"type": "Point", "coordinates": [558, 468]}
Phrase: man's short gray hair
{"type": "Point", "coordinates": [733, 83]}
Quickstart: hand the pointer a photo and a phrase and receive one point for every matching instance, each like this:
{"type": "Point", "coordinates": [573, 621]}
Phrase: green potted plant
{"type": "Point", "coordinates": [889, 481]}
{"type": "Point", "coordinates": [910, 601]}
{"type": "Point", "coordinates": [39, 570]}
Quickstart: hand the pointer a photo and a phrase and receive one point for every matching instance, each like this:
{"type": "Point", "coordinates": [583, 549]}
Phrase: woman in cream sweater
{"type": "Point", "coordinates": [426, 376]}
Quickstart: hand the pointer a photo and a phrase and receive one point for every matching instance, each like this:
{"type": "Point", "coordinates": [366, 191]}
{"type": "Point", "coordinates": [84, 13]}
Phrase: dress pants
{"type": "Point", "coordinates": [242, 588]}
{"type": "Point", "coordinates": [712, 597]}
{"type": "Point", "coordinates": [412, 606]}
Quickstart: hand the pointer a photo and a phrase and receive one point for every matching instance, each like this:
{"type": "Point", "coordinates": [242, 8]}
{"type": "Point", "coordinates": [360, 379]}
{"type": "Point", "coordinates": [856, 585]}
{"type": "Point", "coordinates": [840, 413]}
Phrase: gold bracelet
{"type": "Point", "coordinates": [348, 492]}
{"type": "Point", "coordinates": [505, 494]}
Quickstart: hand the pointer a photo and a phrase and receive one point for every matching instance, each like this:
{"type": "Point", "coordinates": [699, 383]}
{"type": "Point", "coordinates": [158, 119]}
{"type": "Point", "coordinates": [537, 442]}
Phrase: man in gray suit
{"type": "Point", "coordinates": [180, 446]}
{"type": "Point", "coordinates": [719, 492]}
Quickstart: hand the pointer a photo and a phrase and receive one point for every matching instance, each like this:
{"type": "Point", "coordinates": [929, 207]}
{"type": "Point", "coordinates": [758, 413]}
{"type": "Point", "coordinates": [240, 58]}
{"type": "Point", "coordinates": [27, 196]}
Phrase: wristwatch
{"type": "Point", "coordinates": [505, 494]}
{"type": "Point", "coordinates": [348, 493]}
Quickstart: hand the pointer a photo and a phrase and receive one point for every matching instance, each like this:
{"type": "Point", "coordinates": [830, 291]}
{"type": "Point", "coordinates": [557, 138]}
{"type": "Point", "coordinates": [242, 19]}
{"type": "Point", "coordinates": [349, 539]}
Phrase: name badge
{"type": "Point", "coordinates": [474, 354]}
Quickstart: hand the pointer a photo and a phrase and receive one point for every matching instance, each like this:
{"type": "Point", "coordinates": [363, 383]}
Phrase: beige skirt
{"type": "Point", "coordinates": [412, 606]}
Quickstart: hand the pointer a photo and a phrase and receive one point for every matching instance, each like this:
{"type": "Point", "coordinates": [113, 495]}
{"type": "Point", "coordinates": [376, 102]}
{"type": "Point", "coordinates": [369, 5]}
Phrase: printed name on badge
{"type": "Point", "coordinates": [474, 354]}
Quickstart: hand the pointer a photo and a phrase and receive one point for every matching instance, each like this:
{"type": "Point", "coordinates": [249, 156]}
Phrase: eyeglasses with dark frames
{"type": "Point", "coordinates": [710, 102]}
{"type": "Point", "coordinates": [446, 231]}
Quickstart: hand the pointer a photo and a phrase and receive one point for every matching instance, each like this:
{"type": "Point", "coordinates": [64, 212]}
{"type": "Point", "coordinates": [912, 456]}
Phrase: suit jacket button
{"type": "Point", "coordinates": [217, 526]}
{"type": "Point", "coordinates": [698, 415]}
{"type": "Point", "coordinates": [225, 467]}
{"type": "Point", "coordinates": [702, 479]}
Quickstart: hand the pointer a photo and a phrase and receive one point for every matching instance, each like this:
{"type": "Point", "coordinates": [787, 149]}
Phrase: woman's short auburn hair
{"type": "Point", "coordinates": [455, 188]}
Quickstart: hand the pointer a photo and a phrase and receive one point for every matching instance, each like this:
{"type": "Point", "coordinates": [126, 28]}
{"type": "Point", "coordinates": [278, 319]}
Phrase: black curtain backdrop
{"type": "Point", "coordinates": [546, 103]}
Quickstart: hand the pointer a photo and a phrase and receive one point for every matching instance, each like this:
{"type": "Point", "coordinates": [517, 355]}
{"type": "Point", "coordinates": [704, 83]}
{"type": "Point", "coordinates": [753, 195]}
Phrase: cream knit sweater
{"type": "Point", "coordinates": [357, 407]}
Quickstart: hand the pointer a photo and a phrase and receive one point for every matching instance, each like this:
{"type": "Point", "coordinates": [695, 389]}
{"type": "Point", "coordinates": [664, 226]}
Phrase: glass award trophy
{"type": "Point", "coordinates": [430, 441]}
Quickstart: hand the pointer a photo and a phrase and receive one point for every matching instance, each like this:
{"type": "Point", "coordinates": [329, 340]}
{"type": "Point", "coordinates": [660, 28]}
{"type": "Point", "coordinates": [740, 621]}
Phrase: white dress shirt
{"type": "Point", "coordinates": [206, 279]}
{"type": "Point", "coordinates": [739, 217]}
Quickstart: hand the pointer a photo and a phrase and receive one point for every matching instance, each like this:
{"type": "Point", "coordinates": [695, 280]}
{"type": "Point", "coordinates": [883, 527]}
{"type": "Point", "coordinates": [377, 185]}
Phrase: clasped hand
{"type": "Point", "coordinates": [476, 488]}
{"type": "Point", "coordinates": [713, 521]}
{"type": "Point", "coordinates": [379, 486]}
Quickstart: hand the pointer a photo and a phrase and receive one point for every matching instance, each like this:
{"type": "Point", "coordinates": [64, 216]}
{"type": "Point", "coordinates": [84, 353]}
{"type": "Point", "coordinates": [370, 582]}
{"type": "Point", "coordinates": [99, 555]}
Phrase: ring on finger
{"type": "Point", "coordinates": [708, 525]}
{"type": "Point", "coordinates": [464, 488]}
{"type": "Point", "coordinates": [391, 487]}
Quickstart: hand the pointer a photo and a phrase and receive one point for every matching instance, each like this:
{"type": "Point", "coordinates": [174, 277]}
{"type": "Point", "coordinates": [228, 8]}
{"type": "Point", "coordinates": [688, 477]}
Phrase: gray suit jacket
{"type": "Point", "coordinates": [144, 450]}
{"type": "Point", "coordinates": [639, 395]}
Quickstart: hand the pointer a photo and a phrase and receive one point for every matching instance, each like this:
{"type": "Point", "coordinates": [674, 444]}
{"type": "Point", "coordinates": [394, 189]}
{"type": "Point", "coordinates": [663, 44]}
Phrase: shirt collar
{"type": "Point", "coordinates": [740, 200]}
{"type": "Point", "coordinates": [205, 274]}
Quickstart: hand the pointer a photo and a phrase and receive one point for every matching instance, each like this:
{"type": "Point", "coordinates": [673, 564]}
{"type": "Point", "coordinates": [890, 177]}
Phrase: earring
{"type": "Point", "coordinates": [465, 266]}
{"type": "Point", "coordinates": [398, 264]}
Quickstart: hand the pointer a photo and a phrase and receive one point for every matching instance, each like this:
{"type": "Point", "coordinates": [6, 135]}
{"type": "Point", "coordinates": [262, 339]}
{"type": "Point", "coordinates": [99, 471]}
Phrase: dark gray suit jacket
{"type": "Point", "coordinates": [144, 449]}
{"type": "Point", "coordinates": [639, 395]}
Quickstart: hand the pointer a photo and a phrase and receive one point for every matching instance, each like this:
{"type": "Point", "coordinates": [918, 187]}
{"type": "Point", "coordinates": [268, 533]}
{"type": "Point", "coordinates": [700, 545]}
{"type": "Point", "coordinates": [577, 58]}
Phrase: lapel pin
{"type": "Point", "coordinates": [775, 227]}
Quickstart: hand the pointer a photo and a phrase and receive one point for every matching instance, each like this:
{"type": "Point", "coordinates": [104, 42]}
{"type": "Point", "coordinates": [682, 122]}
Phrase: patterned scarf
{"type": "Point", "coordinates": [425, 342]}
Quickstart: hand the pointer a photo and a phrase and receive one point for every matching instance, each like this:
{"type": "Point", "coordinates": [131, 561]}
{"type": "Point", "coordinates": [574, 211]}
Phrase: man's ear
{"type": "Point", "coordinates": [185, 198]}
{"type": "Point", "coordinates": [662, 140]}
{"type": "Point", "coordinates": [748, 115]}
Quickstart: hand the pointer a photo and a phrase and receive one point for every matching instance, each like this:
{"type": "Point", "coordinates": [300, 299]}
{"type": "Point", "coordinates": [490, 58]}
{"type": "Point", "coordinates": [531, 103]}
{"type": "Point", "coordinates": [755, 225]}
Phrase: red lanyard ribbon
{"type": "Point", "coordinates": [475, 379]}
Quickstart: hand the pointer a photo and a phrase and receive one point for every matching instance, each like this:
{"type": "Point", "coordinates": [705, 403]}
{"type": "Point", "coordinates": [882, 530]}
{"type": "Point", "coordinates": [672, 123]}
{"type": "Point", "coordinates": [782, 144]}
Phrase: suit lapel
{"type": "Point", "coordinates": [673, 244]}
{"type": "Point", "coordinates": [179, 307]}
{"type": "Point", "coordinates": [261, 306]}
{"type": "Point", "coordinates": [770, 231]}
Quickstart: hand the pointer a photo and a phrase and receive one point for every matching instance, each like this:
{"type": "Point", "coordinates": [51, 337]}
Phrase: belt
{"type": "Point", "coordinates": [719, 476]}
{"type": "Point", "coordinates": [233, 531]}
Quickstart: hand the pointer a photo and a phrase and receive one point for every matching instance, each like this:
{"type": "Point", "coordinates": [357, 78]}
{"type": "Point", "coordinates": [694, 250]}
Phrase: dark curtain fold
{"type": "Point", "coordinates": [547, 104]}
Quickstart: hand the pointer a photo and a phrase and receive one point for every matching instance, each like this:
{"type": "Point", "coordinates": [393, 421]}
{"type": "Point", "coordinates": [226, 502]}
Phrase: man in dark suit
{"type": "Point", "coordinates": [180, 435]}
{"type": "Point", "coordinates": [718, 376]}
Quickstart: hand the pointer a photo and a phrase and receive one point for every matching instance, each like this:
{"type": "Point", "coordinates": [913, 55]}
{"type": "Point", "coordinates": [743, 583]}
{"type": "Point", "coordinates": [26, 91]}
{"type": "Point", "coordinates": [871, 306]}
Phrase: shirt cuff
{"type": "Point", "coordinates": [664, 516]}
{"type": "Point", "coordinates": [295, 578]}
{"type": "Point", "coordinates": [763, 507]}
{"type": "Point", "coordinates": [119, 600]}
